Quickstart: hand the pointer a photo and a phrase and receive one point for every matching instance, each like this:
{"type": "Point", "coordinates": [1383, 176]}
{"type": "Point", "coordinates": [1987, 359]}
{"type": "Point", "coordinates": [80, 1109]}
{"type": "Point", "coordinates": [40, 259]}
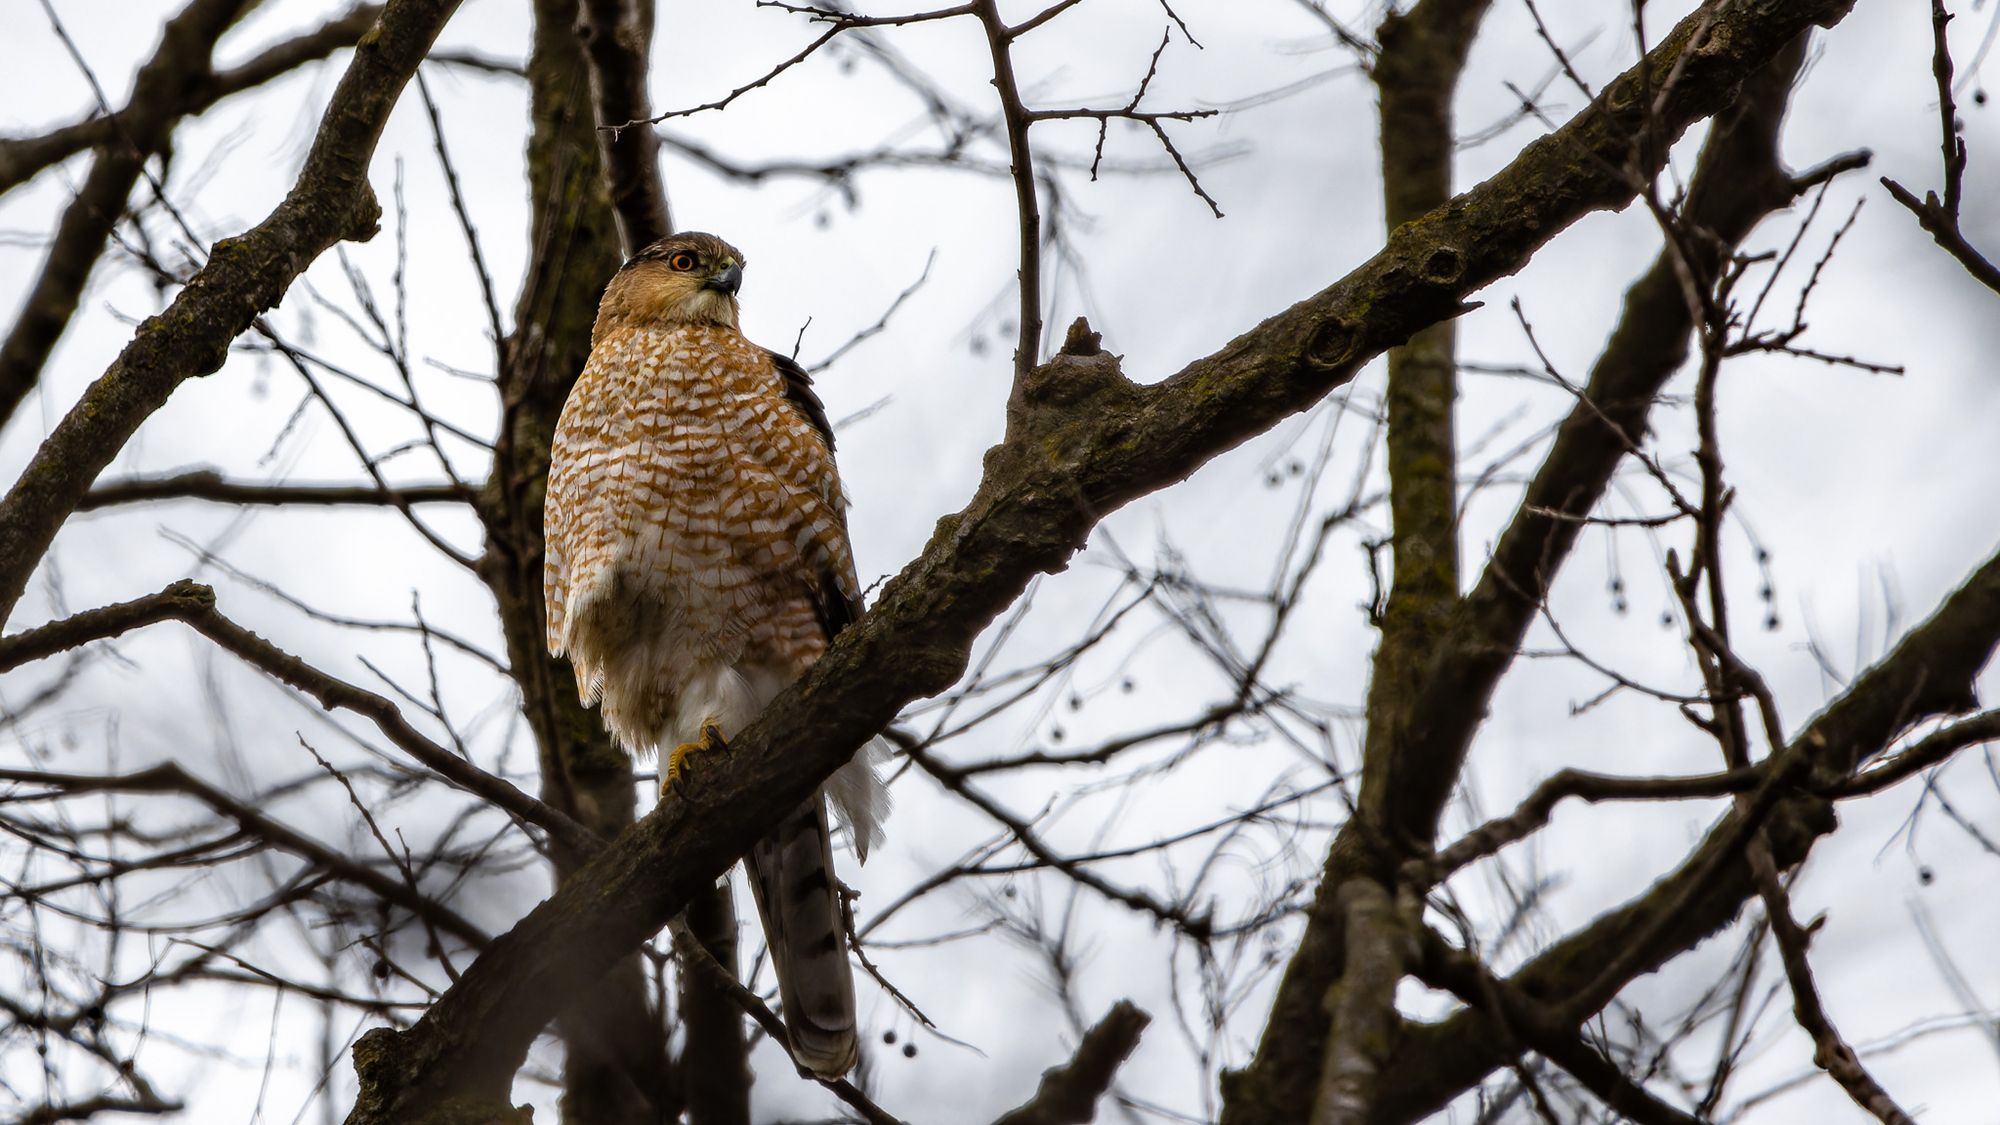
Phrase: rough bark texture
{"type": "Point", "coordinates": [1081, 441]}
{"type": "Point", "coordinates": [617, 38]}
{"type": "Point", "coordinates": [192, 92]}
{"type": "Point", "coordinates": [1353, 1017]}
{"type": "Point", "coordinates": [1068, 1094]}
{"type": "Point", "coordinates": [616, 1069]}
{"type": "Point", "coordinates": [136, 133]}
{"type": "Point", "coordinates": [1416, 74]}
{"type": "Point", "coordinates": [1930, 673]}
{"type": "Point", "coordinates": [243, 277]}
{"type": "Point", "coordinates": [1737, 182]}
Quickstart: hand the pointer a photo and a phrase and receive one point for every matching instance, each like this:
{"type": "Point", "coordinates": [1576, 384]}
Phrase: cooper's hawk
{"type": "Point", "coordinates": [697, 564]}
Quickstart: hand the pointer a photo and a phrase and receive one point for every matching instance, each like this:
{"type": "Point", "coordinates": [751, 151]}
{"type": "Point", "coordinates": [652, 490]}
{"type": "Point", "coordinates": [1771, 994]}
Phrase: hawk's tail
{"type": "Point", "coordinates": [791, 876]}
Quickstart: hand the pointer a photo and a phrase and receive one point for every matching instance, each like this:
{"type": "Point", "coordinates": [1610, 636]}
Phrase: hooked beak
{"type": "Point", "coordinates": [728, 281]}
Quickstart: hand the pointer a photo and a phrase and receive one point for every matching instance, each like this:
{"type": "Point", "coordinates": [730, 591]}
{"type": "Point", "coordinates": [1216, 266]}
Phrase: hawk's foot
{"type": "Point", "coordinates": [711, 739]}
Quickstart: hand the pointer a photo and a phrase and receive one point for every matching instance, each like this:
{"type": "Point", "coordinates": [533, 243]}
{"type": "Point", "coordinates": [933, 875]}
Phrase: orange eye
{"type": "Point", "coordinates": [682, 261]}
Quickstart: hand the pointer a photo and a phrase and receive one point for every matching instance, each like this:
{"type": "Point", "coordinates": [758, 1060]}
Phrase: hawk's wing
{"type": "Point", "coordinates": [837, 607]}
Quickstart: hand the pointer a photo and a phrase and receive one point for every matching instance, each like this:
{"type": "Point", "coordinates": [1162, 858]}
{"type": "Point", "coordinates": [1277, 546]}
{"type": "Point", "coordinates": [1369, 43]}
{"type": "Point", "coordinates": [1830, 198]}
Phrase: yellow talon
{"type": "Point", "coordinates": [711, 739]}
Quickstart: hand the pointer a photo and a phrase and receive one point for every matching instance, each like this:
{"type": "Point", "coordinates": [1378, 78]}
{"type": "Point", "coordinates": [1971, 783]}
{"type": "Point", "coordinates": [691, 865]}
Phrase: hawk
{"type": "Point", "coordinates": [697, 563]}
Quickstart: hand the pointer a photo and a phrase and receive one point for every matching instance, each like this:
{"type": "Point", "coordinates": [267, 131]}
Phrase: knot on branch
{"type": "Point", "coordinates": [1048, 397]}
{"type": "Point", "coordinates": [1444, 266]}
{"type": "Point", "coordinates": [365, 221]}
{"type": "Point", "coordinates": [1329, 344]}
{"type": "Point", "coordinates": [1081, 340]}
{"type": "Point", "coordinates": [190, 593]}
{"type": "Point", "coordinates": [385, 1071]}
{"type": "Point", "coordinates": [377, 1064]}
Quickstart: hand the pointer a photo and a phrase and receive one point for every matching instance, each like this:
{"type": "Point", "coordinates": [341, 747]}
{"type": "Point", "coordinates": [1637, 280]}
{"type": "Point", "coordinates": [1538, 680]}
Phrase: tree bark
{"type": "Point", "coordinates": [1081, 441]}
{"type": "Point", "coordinates": [138, 132]}
{"type": "Point", "coordinates": [244, 276]}
{"type": "Point", "coordinates": [616, 1069]}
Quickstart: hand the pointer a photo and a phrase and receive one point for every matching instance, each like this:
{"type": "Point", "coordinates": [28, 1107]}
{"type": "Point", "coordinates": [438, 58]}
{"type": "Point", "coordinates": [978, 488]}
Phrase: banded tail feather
{"type": "Point", "coordinates": [791, 877]}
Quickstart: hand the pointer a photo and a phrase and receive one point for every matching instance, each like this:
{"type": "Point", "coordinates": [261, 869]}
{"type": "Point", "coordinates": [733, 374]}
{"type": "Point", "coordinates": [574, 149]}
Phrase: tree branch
{"type": "Point", "coordinates": [1929, 673]}
{"type": "Point", "coordinates": [1737, 181]}
{"type": "Point", "coordinates": [617, 38]}
{"type": "Point", "coordinates": [1069, 1093]}
{"type": "Point", "coordinates": [169, 777]}
{"type": "Point", "coordinates": [244, 276]}
{"type": "Point", "coordinates": [1939, 217]}
{"type": "Point", "coordinates": [86, 223]}
{"type": "Point", "coordinates": [21, 158]}
{"type": "Point", "coordinates": [194, 605]}
{"type": "Point", "coordinates": [1081, 441]}
{"type": "Point", "coordinates": [212, 486]}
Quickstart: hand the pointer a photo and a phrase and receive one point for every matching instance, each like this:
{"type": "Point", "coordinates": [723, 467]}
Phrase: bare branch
{"type": "Point", "coordinates": [1940, 217]}
{"type": "Point", "coordinates": [330, 202]}
{"type": "Point", "coordinates": [1069, 1093]}
{"type": "Point", "coordinates": [200, 88]}
{"type": "Point", "coordinates": [212, 486]}
{"type": "Point", "coordinates": [617, 38]}
{"type": "Point", "coordinates": [88, 220]}
{"type": "Point", "coordinates": [194, 605]}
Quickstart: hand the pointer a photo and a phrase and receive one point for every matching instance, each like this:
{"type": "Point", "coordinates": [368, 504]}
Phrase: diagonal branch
{"type": "Point", "coordinates": [86, 223]}
{"type": "Point", "coordinates": [1930, 673]}
{"type": "Point", "coordinates": [1081, 441]}
{"type": "Point", "coordinates": [1068, 1093]}
{"type": "Point", "coordinates": [244, 276]}
{"type": "Point", "coordinates": [21, 158]}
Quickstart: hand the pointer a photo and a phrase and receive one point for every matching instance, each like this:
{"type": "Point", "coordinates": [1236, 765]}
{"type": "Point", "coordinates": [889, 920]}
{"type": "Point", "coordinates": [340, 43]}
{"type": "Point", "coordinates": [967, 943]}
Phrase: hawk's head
{"type": "Point", "coordinates": [686, 278]}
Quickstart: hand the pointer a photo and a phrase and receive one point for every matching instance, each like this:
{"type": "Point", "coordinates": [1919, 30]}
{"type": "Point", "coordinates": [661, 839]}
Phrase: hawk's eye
{"type": "Point", "coordinates": [682, 261]}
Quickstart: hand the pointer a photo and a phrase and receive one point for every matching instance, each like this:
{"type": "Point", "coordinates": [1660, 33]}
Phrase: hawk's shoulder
{"type": "Point", "coordinates": [799, 392]}
{"type": "Point", "coordinates": [836, 609]}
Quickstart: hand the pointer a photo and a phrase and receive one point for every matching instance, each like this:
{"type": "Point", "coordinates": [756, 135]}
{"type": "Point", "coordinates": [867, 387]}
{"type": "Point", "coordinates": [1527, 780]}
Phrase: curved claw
{"type": "Point", "coordinates": [711, 739]}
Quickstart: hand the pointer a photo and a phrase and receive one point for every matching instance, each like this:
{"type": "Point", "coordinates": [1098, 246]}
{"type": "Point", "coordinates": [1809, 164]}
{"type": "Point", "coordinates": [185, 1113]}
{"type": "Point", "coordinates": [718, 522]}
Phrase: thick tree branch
{"type": "Point", "coordinates": [1361, 1006]}
{"type": "Point", "coordinates": [244, 276]}
{"type": "Point", "coordinates": [1416, 74]}
{"type": "Point", "coordinates": [21, 158]}
{"type": "Point", "coordinates": [1738, 180]}
{"type": "Point", "coordinates": [1081, 441]}
{"type": "Point", "coordinates": [1929, 673]}
{"type": "Point", "coordinates": [617, 37]}
{"type": "Point", "coordinates": [1330, 1072]}
{"type": "Point", "coordinates": [1069, 1093]}
{"type": "Point", "coordinates": [86, 223]}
